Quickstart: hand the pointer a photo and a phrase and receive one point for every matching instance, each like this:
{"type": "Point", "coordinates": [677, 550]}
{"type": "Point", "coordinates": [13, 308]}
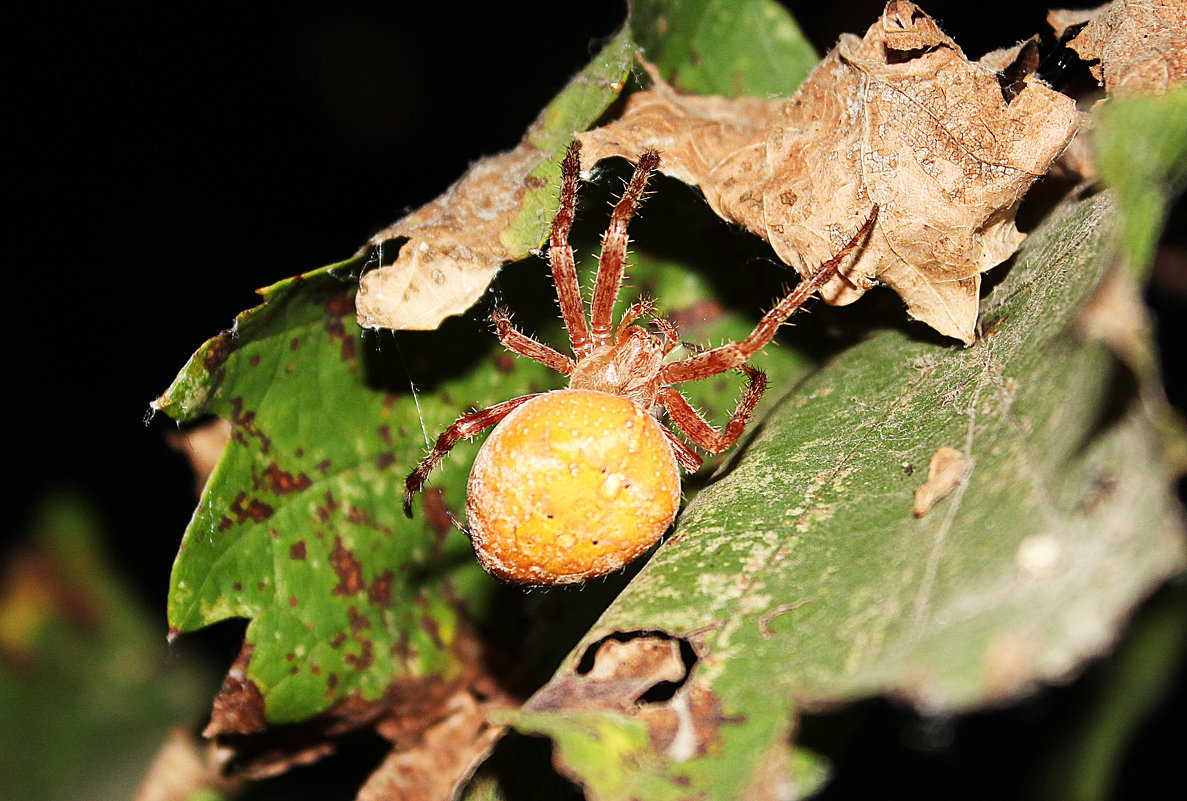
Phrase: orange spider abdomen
{"type": "Point", "coordinates": [572, 485]}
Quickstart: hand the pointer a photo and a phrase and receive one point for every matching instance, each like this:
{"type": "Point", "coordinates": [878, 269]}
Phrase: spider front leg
{"type": "Point", "coordinates": [695, 427]}
{"type": "Point", "coordinates": [560, 256]}
{"type": "Point", "coordinates": [633, 312]}
{"type": "Point", "coordinates": [726, 357]}
{"type": "Point", "coordinates": [612, 260]}
{"type": "Point", "coordinates": [466, 427]}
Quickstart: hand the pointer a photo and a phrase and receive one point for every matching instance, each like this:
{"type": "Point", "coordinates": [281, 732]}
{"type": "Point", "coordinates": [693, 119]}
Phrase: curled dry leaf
{"type": "Point", "coordinates": [900, 119]}
{"type": "Point", "coordinates": [450, 249]}
{"type": "Point", "coordinates": [445, 756]}
{"type": "Point", "coordinates": [1134, 45]}
{"type": "Point", "coordinates": [947, 468]}
{"type": "Point", "coordinates": [437, 727]}
{"type": "Point", "coordinates": [454, 246]}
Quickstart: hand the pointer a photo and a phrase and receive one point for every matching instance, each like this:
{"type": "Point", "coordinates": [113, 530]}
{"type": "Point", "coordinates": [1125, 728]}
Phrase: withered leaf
{"type": "Point", "coordinates": [948, 467]}
{"type": "Point", "coordinates": [900, 119]}
{"type": "Point", "coordinates": [623, 670]}
{"type": "Point", "coordinates": [453, 249]}
{"type": "Point", "coordinates": [182, 769]}
{"type": "Point", "coordinates": [1134, 45]}
{"type": "Point", "coordinates": [446, 755]}
{"type": "Point", "coordinates": [497, 212]}
{"type": "Point", "coordinates": [437, 728]}
{"type": "Point", "coordinates": [642, 675]}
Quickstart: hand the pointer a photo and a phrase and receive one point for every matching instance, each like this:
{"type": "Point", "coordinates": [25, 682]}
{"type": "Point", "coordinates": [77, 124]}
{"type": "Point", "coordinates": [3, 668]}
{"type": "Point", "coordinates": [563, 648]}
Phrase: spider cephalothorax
{"type": "Point", "coordinates": [576, 483]}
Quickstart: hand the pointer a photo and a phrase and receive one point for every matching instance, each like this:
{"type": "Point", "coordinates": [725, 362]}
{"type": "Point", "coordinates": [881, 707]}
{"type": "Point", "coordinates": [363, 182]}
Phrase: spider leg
{"type": "Point", "coordinates": [466, 427]}
{"type": "Point", "coordinates": [695, 427]}
{"type": "Point", "coordinates": [726, 357]}
{"type": "Point", "coordinates": [612, 261]}
{"type": "Point", "coordinates": [516, 341]}
{"type": "Point", "coordinates": [560, 256]}
{"type": "Point", "coordinates": [671, 335]}
{"type": "Point", "coordinates": [633, 312]}
{"type": "Point", "coordinates": [686, 457]}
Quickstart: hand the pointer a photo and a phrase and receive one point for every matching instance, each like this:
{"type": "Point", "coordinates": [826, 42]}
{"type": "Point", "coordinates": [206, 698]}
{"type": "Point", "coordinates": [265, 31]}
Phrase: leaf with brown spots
{"type": "Point", "coordinates": [295, 528]}
{"type": "Point", "coordinates": [347, 599]}
{"type": "Point", "coordinates": [899, 119]}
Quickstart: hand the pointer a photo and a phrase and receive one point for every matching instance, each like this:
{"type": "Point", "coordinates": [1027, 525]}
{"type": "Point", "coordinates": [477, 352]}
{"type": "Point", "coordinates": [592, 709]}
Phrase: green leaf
{"type": "Point", "coordinates": [735, 48]}
{"type": "Point", "coordinates": [1140, 143]}
{"type": "Point", "coordinates": [299, 527]}
{"type": "Point", "coordinates": [802, 573]}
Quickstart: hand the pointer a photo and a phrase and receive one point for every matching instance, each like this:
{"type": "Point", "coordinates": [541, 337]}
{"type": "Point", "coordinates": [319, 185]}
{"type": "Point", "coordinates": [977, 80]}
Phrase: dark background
{"type": "Point", "coordinates": [166, 159]}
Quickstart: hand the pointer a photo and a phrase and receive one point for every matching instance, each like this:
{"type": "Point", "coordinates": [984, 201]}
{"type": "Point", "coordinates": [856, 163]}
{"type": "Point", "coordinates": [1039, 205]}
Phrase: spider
{"type": "Point", "coordinates": [576, 483]}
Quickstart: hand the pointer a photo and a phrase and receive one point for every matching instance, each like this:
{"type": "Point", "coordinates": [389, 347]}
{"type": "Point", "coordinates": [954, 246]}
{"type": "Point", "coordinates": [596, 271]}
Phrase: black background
{"type": "Point", "coordinates": [165, 159]}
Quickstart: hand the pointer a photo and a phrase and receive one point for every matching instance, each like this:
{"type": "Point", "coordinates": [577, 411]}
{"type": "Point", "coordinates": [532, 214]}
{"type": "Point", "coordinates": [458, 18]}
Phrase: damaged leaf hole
{"type": "Point", "coordinates": [641, 655]}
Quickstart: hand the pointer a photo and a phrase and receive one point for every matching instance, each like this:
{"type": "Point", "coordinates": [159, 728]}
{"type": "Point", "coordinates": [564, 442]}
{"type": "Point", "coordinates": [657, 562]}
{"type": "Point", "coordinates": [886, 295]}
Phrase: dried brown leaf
{"type": "Point", "coordinates": [426, 717]}
{"type": "Point", "coordinates": [947, 468]}
{"type": "Point", "coordinates": [444, 757]}
{"type": "Point", "coordinates": [182, 769]}
{"type": "Point", "coordinates": [1134, 45]}
{"type": "Point", "coordinates": [239, 706]}
{"type": "Point", "coordinates": [623, 670]}
{"type": "Point", "coordinates": [900, 119]}
{"type": "Point", "coordinates": [450, 249]}
{"type": "Point", "coordinates": [643, 675]}
{"type": "Point", "coordinates": [454, 247]}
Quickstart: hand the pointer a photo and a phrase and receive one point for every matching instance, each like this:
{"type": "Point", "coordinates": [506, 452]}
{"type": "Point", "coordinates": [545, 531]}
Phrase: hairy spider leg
{"type": "Point", "coordinates": [466, 427]}
{"type": "Point", "coordinates": [726, 357]}
{"type": "Point", "coordinates": [685, 417]}
{"type": "Point", "coordinates": [516, 341]}
{"type": "Point", "coordinates": [564, 273]}
{"type": "Point", "coordinates": [612, 260]}
{"type": "Point", "coordinates": [636, 310]}
{"type": "Point", "coordinates": [686, 457]}
{"type": "Point", "coordinates": [706, 363]}
{"type": "Point", "coordinates": [560, 257]}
